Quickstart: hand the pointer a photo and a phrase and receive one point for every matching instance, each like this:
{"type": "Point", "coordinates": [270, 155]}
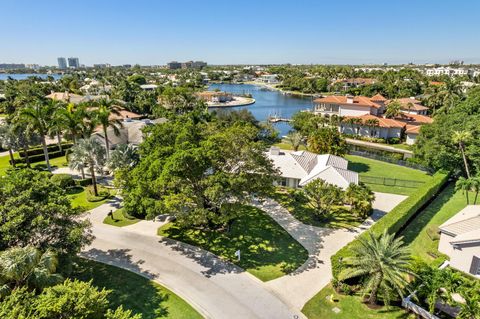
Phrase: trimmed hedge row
{"type": "Point", "coordinates": [395, 219]}
{"type": "Point", "coordinates": [39, 150]}
{"type": "Point", "coordinates": [83, 182]}
{"type": "Point", "coordinates": [38, 158]}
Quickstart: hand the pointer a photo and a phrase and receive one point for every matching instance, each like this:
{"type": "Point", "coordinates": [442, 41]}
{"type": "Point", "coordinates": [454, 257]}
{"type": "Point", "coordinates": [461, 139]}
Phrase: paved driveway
{"type": "Point", "coordinates": [217, 289]}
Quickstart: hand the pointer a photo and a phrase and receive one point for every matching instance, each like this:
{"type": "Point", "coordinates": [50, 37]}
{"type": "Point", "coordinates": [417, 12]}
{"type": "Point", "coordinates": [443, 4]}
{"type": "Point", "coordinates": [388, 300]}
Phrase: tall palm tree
{"type": "Point", "coordinates": [73, 117]}
{"type": "Point", "coordinates": [394, 109]}
{"type": "Point", "coordinates": [460, 138]}
{"type": "Point", "coordinates": [27, 266]}
{"type": "Point", "coordinates": [88, 153]}
{"type": "Point", "coordinates": [39, 116]}
{"type": "Point", "coordinates": [295, 139]}
{"type": "Point", "coordinates": [452, 92]}
{"type": "Point", "coordinates": [104, 116]}
{"type": "Point", "coordinates": [475, 186]}
{"type": "Point", "coordinates": [57, 125]}
{"type": "Point", "coordinates": [384, 263]}
{"type": "Point", "coordinates": [8, 140]}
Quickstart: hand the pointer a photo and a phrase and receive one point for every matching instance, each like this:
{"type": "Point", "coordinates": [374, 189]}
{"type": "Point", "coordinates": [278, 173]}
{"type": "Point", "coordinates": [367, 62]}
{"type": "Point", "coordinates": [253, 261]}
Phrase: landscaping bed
{"type": "Point", "coordinates": [134, 292]}
{"type": "Point", "coordinates": [267, 250]}
{"type": "Point", "coordinates": [120, 218]}
{"type": "Point", "coordinates": [80, 198]}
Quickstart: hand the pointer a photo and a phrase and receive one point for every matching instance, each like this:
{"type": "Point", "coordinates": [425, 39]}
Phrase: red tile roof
{"type": "Point", "coordinates": [378, 98]}
{"type": "Point", "coordinates": [342, 100]}
{"type": "Point", "coordinates": [382, 122]}
{"type": "Point", "coordinates": [416, 118]}
{"type": "Point", "coordinates": [412, 129]}
{"type": "Point", "coordinates": [410, 103]}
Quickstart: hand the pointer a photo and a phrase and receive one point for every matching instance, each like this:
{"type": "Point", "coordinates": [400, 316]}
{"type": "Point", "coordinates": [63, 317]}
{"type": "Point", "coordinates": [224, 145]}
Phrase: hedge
{"type": "Point", "coordinates": [83, 182]}
{"type": "Point", "coordinates": [395, 219]}
{"type": "Point", "coordinates": [38, 158]}
{"type": "Point", "coordinates": [39, 150]}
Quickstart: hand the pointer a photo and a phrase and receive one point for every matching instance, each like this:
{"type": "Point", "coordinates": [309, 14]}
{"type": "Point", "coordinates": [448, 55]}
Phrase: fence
{"type": "Point", "coordinates": [390, 181]}
{"type": "Point", "coordinates": [389, 159]}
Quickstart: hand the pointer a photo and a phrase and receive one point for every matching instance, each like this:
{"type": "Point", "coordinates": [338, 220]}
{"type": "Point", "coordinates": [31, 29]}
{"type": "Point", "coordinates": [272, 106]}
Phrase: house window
{"type": "Point", "coordinates": [283, 181]}
{"type": "Point", "coordinates": [475, 266]}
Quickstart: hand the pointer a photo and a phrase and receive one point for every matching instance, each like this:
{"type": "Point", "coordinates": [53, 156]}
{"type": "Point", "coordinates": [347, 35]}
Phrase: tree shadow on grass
{"type": "Point", "coordinates": [132, 291]}
{"type": "Point", "coordinates": [358, 167]}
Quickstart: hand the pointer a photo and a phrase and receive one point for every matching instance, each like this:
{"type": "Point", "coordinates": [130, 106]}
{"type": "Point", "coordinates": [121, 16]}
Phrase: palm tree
{"type": "Point", "coordinates": [460, 138]}
{"type": "Point", "coordinates": [295, 139]}
{"type": "Point", "coordinates": [452, 92]}
{"type": "Point", "coordinates": [88, 153]}
{"type": "Point", "coordinates": [475, 186]}
{"type": "Point", "coordinates": [7, 140]}
{"type": "Point", "coordinates": [360, 198]}
{"type": "Point", "coordinates": [103, 116]}
{"type": "Point", "coordinates": [39, 116]}
{"type": "Point", "coordinates": [372, 124]}
{"type": "Point", "coordinates": [73, 117]}
{"type": "Point", "coordinates": [57, 125]}
{"type": "Point", "coordinates": [124, 156]}
{"type": "Point", "coordinates": [384, 263]}
{"type": "Point", "coordinates": [20, 266]}
{"type": "Point", "coordinates": [465, 185]}
{"type": "Point", "coordinates": [394, 109]}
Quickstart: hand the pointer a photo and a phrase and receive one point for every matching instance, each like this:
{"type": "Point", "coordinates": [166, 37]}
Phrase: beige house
{"type": "Point", "coordinates": [460, 240]}
{"type": "Point", "coordinates": [299, 168]}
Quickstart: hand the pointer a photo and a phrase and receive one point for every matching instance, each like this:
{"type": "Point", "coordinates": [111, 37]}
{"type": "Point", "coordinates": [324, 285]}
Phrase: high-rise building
{"type": "Point", "coordinates": [73, 63]}
{"type": "Point", "coordinates": [174, 65]}
{"type": "Point", "coordinates": [62, 63]}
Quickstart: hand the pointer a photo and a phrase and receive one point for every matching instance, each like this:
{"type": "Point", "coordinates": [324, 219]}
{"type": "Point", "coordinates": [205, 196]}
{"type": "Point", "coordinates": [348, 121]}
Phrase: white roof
{"type": "Point", "coordinates": [148, 86]}
{"type": "Point", "coordinates": [307, 166]}
{"type": "Point", "coordinates": [464, 226]}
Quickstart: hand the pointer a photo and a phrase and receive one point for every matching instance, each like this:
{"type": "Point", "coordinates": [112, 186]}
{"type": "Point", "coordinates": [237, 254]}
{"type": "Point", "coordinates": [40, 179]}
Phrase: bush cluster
{"type": "Point", "coordinates": [103, 193]}
{"type": "Point", "coordinates": [395, 219]}
{"type": "Point", "coordinates": [63, 180]}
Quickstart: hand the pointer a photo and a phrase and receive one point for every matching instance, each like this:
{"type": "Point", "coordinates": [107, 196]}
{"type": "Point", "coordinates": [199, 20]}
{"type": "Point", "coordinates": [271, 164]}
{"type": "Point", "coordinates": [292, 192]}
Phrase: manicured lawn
{"type": "Point", "coordinates": [119, 219]}
{"type": "Point", "coordinates": [4, 163]}
{"type": "Point", "coordinates": [78, 196]}
{"type": "Point", "coordinates": [351, 307]}
{"type": "Point", "coordinates": [287, 146]}
{"type": "Point", "coordinates": [339, 218]}
{"type": "Point", "coordinates": [370, 167]}
{"type": "Point", "coordinates": [134, 292]}
{"type": "Point", "coordinates": [267, 250]}
{"type": "Point", "coordinates": [421, 236]}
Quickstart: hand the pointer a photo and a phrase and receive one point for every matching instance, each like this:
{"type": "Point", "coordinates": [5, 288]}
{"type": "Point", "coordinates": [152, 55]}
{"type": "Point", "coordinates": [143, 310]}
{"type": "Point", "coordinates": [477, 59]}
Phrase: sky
{"type": "Point", "coordinates": [154, 32]}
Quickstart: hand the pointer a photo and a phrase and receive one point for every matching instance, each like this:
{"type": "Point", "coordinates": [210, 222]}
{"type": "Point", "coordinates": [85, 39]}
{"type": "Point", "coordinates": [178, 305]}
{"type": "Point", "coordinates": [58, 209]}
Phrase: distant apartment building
{"type": "Point", "coordinates": [11, 66]}
{"type": "Point", "coordinates": [101, 66]}
{"type": "Point", "coordinates": [174, 65]}
{"type": "Point", "coordinates": [32, 66]}
{"type": "Point", "coordinates": [73, 63]}
{"type": "Point", "coordinates": [449, 71]}
{"type": "Point", "coordinates": [62, 63]}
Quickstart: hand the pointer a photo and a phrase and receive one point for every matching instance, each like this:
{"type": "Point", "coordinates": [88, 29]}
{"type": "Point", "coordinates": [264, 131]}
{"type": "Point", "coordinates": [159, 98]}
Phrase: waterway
{"type": "Point", "coordinates": [23, 76]}
{"type": "Point", "coordinates": [268, 103]}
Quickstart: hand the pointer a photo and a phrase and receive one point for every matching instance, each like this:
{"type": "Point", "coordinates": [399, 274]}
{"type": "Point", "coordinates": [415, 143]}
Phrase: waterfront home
{"type": "Point", "coordinates": [411, 105]}
{"type": "Point", "coordinates": [348, 105]}
{"type": "Point", "coordinates": [371, 126]}
{"type": "Point", "coordinates": [299, 168]}
{"type": "Point", "coordinates": [269, 78]}
{"type": "Point", "coordinates": [460, 240]}
{"type": "Point", "coordinates": [215, 96]}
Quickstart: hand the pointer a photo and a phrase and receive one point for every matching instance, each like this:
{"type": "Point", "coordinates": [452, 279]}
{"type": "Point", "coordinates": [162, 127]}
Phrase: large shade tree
{"type": "Point", "coordinates": [199, 171]}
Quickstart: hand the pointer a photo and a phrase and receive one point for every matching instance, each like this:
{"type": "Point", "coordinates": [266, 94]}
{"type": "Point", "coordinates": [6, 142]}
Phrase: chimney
{"type": "Point", "coordinates": [274, 150]}
{"type": "Point", "coordinates": [349, 99]}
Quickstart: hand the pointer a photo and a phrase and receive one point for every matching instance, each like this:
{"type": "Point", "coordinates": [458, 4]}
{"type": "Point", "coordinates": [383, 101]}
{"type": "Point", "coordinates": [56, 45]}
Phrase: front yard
{"type": "Point", "coordinates": [120, 219]}
{"type": "Point", "coordinates": [351, 307]}
{"type": "Point", "coordinates": [134, 292]}
{"type": "Point", "coordinates": [267, 250]}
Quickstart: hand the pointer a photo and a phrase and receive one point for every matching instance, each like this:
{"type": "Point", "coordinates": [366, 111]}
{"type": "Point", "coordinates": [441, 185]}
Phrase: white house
{"type": "Point", "coordinates": [299, 168]}
{"type": "Point", "coordinates": [460, 240]}
{"type": "Point", "coordinates": [269, 78]}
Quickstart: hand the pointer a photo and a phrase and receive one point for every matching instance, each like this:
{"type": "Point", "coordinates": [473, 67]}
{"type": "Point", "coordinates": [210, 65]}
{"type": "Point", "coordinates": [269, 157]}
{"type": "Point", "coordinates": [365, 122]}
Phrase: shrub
{"type": "Point", "coordinates": [63, 180]}
{"type": "Point", "coordinates": [395, 219]}
{"type": "Point", "coordinates": [53, 148]}
{"type": "Point", "coordinates": [103, 193]}
{"type": "Point", "coordinates": [83, 182]}
{"type": "Point", "coordinates": [433, 233]}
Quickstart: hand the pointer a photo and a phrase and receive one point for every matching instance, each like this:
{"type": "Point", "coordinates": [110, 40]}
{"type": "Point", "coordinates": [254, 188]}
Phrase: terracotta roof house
{"type": "Point", "coordinates": [74, 98]}
{"type": "Point", "coordinates": [299, 168]}
{"type": "Point", "coordinates": [460, 240]}
{"type": "Point", "coordinates": [347, 105]}
{"type": "Point", "coordinates": [411, 105]}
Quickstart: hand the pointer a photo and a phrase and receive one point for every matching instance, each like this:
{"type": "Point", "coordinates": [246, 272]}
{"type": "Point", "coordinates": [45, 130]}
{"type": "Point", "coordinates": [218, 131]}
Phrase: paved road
{"type": "Point", "coordinates": [321, 243]}
{"type": "Point", "coordinates": [217, 289]}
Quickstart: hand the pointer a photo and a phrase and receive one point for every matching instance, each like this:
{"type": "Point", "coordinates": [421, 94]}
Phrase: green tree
{"type": "Point", "coordinates": [34, 211]}
{"type": "Point", "coordinates": [27, 266]}
{"type": "Point", "coordinates": [394, 109]}
{"type": "Point", "coordinates": [360, 197]}
{"type": "Point", "coordinates": [124, 156]}
{"type": "Point", "coordinates": [465, 185]}
{"type": "Point", "coordinates": [461, 138]}
{"type": "Point", "coordinates": [322, 196]}
{"type": "Point", "coordinates": [383, 262]}
{"type": "Point", "coordinates": [327, 140]}
{"type": "Point", "coordinates": [88, 153]}
{"type": "Point", "coordinates": [295, 139]}
{"type": "Point", "coordinates": [39, 116]}
{"type": "Point", "coordinates": [106, 115]}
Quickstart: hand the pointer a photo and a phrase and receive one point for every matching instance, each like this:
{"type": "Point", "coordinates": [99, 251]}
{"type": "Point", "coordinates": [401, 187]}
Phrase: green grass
{"type": "Point", "coordinates": [287, 146]}
{"type": "Point", "coordinates": [267, 250]}
{"type": "Point", "coordinates": [4, 163]}
{"type": "Point", "coordinates": [78, 197]}
{"type": "Point", "coordinates": [134, 292]}
{"type": "Point", "coordinates": [340, 217]}
{"type": "Point", "coordinates": [370, 167]}
{"type": "Point", "coordinates": [120, 219]}
{"type": "Point", "coordinates": [418, 235]}
{"type": "Point", "coordinates": [351, 307]}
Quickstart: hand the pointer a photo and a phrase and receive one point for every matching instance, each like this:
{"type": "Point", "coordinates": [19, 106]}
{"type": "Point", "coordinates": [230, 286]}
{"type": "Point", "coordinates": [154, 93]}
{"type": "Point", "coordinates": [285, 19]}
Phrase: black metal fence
{"type": "Point", "coordinates": [390, 181]}
{"type": "Point", "coordinates": [390, 159]}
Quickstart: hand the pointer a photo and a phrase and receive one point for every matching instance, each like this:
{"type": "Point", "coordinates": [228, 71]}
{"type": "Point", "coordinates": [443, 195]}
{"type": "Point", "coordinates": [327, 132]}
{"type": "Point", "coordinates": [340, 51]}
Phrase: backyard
{"type": "Point", "coordinates": [267, 250]}
{"type": "Point", "coordinates": [422, 233]}
{"type": "Point", "coordinates": [134, 292]}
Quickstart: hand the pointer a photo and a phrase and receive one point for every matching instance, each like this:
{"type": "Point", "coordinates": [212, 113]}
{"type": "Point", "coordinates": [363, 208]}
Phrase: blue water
{"type": "Point", "coordinates": [268, 103]}
{"type": "Point", "coordinates": [15, 76]}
